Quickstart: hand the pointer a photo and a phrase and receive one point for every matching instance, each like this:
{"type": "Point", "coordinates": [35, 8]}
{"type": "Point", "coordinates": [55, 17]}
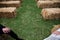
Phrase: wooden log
{"type": "Point", "coordinates": [10, 4]}
{"type": "Point", "coordinates": [55, 28]}
{"type": "Point", "coordinates": [48, 4]}
{"type": "Point", "coordinates": [51, 13]}
{"type": "Point", "coordinates": [8, 12]}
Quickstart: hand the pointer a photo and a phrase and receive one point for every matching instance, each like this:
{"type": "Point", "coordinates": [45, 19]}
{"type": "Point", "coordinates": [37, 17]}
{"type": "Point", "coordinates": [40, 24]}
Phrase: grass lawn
{"type": "Point", "coordinates": [29, 23]}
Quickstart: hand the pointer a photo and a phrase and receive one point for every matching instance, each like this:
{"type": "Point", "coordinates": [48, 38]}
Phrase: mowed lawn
{"type": "Point", "coordinates": [29, 23]}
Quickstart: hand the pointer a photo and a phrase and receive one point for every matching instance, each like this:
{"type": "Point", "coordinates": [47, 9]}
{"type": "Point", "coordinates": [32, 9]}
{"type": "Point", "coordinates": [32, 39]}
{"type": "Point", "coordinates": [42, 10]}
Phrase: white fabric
{"type": "Point", "coordinates": [58, 30]}
{"type": "Point", "coordinates": [53, 36]}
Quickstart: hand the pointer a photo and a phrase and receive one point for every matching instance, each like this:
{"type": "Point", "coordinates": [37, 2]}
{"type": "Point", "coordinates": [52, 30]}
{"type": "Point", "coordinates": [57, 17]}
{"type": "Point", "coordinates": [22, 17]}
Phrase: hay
{"type": "Point", "coordinates": [9, 0]}
{"type": "Point", "coordinates": [47, 0]}
{"type": "Point", "coordinates": [8, 12]}
{"type": "Point", "coordinates": [48, 4]}
{"type": "Point", "coordinates": [10, 4]}
{"type": "Point", "coordinates": [51, 13]}
{"type": "Point", "coordinates": [55, 28]}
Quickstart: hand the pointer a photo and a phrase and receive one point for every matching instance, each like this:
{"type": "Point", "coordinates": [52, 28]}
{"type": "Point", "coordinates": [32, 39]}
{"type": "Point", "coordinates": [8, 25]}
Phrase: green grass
{"type": "Point", "coordinates": [29, 23]}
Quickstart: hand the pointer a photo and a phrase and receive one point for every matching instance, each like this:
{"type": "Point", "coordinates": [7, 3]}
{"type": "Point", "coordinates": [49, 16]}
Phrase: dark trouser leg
{"type": "Point", "coordinates": [13, 35]}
